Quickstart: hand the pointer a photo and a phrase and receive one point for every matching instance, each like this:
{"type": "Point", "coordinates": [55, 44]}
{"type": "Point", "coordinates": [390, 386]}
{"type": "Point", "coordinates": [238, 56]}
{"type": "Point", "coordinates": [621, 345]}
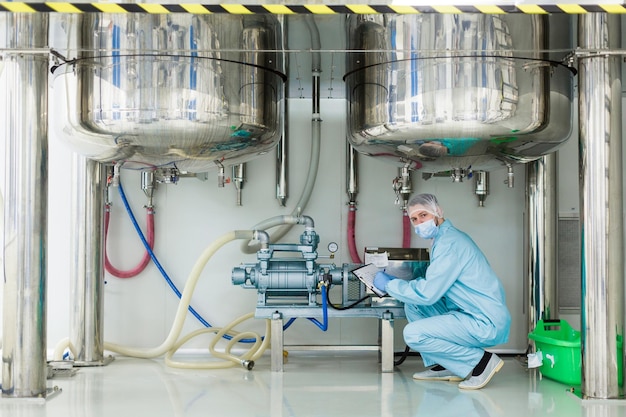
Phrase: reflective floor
{"type": "Point", "coordinates": [313, 384]}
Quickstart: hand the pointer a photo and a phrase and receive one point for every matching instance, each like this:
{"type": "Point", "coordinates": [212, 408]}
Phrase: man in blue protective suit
{"type": "Point", "coordinates": [457, 309]}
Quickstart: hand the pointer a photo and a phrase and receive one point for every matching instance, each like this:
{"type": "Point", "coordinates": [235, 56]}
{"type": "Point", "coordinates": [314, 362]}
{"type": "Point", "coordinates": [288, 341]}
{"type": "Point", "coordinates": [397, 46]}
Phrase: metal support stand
{"type": "Point", "coordinates": [277, 342]}
{"type": "Point", "coordinates": [385, 314]}
{"type": "Point", "coordinates": [386, 342]}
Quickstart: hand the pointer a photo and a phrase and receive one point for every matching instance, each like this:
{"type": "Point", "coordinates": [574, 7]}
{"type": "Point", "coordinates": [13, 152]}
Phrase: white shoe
{"type": "Point", "coordinates": [479, 381]}
{"type": "Point", "coordinates": [430, 375]}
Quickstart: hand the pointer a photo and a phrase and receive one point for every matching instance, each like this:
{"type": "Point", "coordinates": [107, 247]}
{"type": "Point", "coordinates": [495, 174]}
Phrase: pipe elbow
{"type": "Point", "coordinates": [263, 237]}
{"type": "Point", "coordinates": [307, 221]}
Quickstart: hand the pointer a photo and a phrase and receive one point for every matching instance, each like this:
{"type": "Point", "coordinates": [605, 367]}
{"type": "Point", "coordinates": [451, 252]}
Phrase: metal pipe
{"type": "Point", "coordinates": [221, 176]}
{"type": "Point", "coordinates": [600, 168]}
{"type": "Point", "coordinates": [352, 189]}
{"type": "Point", "coordinates": [282, 167]}
{"type": "Point", "coordinates": [541, 238]}
{"type": "Point", "coordinates": [148, 185]}
{"type": "Point", "coordinates": [352, 171]}
{"type": "Point", "coordinates": [26, 204]}
{"type": "Point", "coordinates": [510, 176]}
{"type": "Point", "coordinates": [481, 189]}
{"type": "Point", "coordinates": [402, 186]}
{"type": "Point", "coordinates": [282, 150]}
{"type": "Point", "coordinates": [239, 177]}
{"type": "Point", "coordinates": [87, 269]}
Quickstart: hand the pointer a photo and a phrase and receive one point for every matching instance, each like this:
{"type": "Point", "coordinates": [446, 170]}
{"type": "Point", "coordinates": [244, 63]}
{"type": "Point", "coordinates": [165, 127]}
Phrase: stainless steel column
{"type": "Point", "coordinates": [541, 230]}
{"type": "Point", "coordinates": [26, 204]}
{"type": "Point", "coordinates": [278, 343]}
{"type": "Point", "coordinates": [600, 113]}
{"type": "Point", "coordinates": [87, 269]}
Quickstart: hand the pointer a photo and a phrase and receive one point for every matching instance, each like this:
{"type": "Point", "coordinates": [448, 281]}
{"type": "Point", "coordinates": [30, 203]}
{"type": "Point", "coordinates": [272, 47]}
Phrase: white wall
{"type": "Point", "coordinates": [193, 213]}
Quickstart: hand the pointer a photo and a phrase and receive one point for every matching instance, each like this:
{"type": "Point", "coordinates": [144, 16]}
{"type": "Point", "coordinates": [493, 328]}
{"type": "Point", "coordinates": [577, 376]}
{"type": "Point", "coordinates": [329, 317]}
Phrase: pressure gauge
{"type": "Point", "coordinates": [333, 247]}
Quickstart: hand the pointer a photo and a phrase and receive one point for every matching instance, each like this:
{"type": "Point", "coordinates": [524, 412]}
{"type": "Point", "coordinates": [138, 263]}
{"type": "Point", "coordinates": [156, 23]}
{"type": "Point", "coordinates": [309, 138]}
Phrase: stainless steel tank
{"type": "Point", "coordinates": [175, 90]}
{"type": "Point", "coordinates": [438, 92]}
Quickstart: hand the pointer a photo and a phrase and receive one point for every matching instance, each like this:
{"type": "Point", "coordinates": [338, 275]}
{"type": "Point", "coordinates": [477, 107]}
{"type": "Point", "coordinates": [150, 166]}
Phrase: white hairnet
{"type": "Point", "coordinates": [425, 202]}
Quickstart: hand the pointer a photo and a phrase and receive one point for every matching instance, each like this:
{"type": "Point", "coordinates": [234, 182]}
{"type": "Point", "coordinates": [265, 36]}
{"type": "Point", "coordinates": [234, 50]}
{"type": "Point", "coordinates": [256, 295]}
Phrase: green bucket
{"type": "Point", "coordinates": [560, 347]}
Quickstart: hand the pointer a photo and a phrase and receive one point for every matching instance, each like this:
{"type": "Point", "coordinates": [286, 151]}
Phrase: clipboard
{"type": "Point", "coordinates": [366, 274]}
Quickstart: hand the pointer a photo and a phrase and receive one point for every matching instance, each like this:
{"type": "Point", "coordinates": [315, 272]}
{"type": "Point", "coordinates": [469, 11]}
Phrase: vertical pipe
{"type": "Point", "coordinates": [600, 167]}
{"type": "Point", "coordinates": [541, 231]}
{"type": "Point", "coordinates": [87, 268]}
{"type": "Point", "coordinates": [239, 177]}
{"type": "Point", "coordinates": [282, 167]}
{"type": "Point", "coordinates": [352, 173]}
{"type": "Point", "coordinates": [481, 186]}
{"type": "Point", "coordinates": [352, 189]}
{"type": "Point", "coordinates": [282, 150]}
{"type": "Point", "coordinates": [26, 187]}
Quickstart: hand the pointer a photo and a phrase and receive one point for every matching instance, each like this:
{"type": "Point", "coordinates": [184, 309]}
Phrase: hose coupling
{"type": "Point", "coordinates": [247, 364]}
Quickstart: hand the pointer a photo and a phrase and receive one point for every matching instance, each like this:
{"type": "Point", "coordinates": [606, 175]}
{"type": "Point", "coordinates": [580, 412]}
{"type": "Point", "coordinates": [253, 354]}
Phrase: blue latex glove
{"type": "Point", "coordinates": [381, 280]}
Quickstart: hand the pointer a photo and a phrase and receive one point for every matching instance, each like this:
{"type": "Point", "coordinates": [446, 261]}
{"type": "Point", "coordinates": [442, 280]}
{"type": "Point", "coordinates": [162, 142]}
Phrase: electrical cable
{"type": "Point", "coordinates": [403, 357]}
{"type": "Point", "coordinates": [354, 304]}
{"type": "Point", "coordinates": [405, 354]}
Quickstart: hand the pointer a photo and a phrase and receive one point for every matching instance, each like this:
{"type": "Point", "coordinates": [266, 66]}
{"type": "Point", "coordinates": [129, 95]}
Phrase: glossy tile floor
{"type": "Point", "coordinates": [313, 384]}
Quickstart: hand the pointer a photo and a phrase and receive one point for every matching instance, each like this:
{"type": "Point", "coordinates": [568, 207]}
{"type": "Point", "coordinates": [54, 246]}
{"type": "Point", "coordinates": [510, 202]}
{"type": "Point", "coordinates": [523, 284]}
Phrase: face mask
{"type": "Point", "coordinates": [427, 230]}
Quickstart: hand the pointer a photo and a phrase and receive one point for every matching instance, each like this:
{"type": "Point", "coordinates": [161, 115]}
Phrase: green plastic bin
{"type": "Point", "coordinates": [560, 346]}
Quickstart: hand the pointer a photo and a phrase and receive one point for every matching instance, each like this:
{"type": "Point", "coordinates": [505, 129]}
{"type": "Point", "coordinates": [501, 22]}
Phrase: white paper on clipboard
{"type": "Point", "coordinates": [366, 274]}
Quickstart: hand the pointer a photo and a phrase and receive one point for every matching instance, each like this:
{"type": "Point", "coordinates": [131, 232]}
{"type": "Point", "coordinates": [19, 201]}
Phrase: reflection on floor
{"type": "Point", "coordinates": [313, 384]}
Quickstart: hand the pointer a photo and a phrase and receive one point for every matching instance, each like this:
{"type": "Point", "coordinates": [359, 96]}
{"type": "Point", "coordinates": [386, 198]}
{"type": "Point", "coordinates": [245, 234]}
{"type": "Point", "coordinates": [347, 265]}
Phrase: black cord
{"type": "Point", "coordinates": [344, 307]}
{"type": "Point", "coordinates": [405, 354]}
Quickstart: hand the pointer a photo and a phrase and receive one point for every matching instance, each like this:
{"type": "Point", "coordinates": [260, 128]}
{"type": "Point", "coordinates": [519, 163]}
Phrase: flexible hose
{"type": "Point", "coordinates": [153, 255]}
{"type": "Point", "coordinates": [406, 230]}
{"type": "Point", "coordinates": [146, 256]}
{"type": "Point", "coordinates": [154, 258]}
{"type": "Point", "coordinates": [316, 131]}
{"type": "Point", "coordinates": [172, 343]}
{"type": "Point", "coordinates": [229, 360]}
{"type": "Point", "coordinates": [354, 253]}
{"type": "Point", "coordinates": [281, 231]}
{"type": "Point", "coordinates": [181, 312]}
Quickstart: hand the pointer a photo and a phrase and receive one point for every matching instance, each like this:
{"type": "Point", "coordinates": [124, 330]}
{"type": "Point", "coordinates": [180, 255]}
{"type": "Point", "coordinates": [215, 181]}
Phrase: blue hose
{"type": "Point", "coordinates": [153, 256]}
{"type": "Point", "coordinates": [322, 326]}
{"type": "Point", "coordinates": [158, 265]}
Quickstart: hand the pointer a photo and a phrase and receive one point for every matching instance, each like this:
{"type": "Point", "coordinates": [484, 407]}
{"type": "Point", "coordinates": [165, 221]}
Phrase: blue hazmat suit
{"type": "Point", "coordinates": [457, 308]}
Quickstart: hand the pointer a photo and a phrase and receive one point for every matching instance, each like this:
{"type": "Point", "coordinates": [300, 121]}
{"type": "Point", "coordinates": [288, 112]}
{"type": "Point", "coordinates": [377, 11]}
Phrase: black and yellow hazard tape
{"type": "Point", "coordinates": [193, 8]}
